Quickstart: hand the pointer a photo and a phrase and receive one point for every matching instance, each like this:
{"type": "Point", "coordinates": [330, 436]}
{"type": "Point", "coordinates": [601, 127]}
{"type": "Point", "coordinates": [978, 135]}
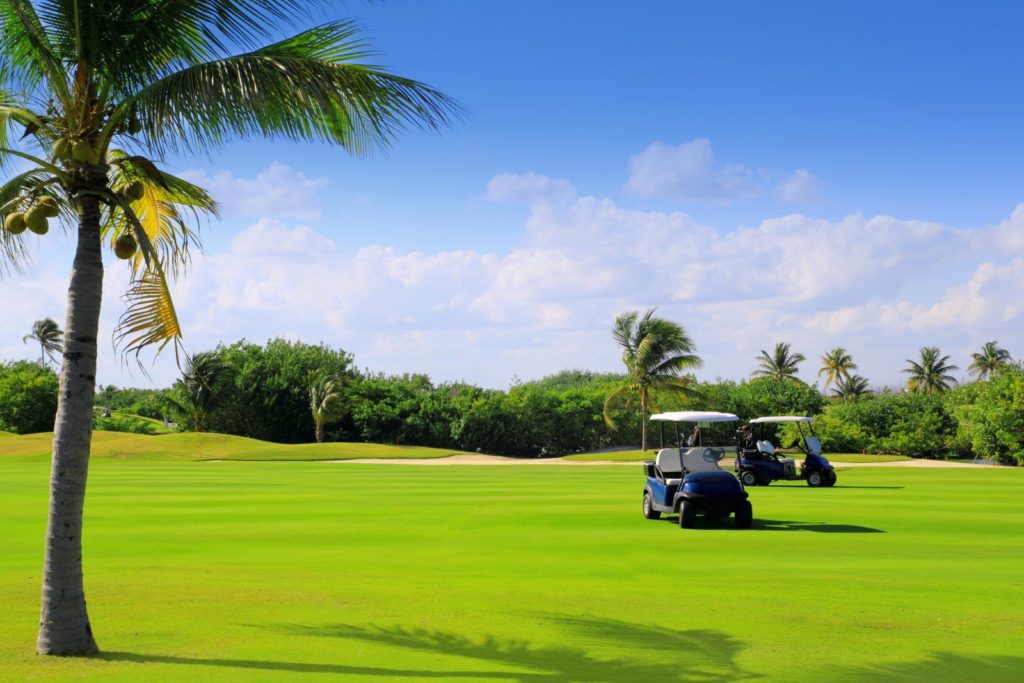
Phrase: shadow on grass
{"type": "Point", "coordinates": [776, 525]}
{"type": "Point", "coordinates": [943, 666]}
{"type": "Point", "coordinates": [658, 654]}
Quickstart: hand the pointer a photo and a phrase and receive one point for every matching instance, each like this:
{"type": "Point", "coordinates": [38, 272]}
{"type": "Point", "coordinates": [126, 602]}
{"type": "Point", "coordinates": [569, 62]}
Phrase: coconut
{"type": "Point", "coordinates": [15, 223]}
{"type": "Point", "coordinates": [134, 126]}
{"type": "Point", "coordinates": [82, 151]}
{"type": "Point", "coordinates": [62, 149]}
{"type": "Point", "coordinates": [49, 206]}
{"type": "Point", "coordinates": [94, 157]}
{"type": "Point", "coordinates": [125, 246]}
{"type": "Point", "coordinates": [135, 191]}
{"type": "Point", "coordinates": [36, 221]}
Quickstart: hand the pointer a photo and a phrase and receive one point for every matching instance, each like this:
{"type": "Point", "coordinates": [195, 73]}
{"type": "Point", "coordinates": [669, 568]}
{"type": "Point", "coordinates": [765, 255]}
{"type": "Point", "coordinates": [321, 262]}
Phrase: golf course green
{"type": "Point", "coordinates": [269, 571]}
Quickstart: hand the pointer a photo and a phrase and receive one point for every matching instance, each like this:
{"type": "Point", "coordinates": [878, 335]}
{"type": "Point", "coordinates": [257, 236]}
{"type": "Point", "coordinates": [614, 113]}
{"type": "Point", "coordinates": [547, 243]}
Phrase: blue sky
{"type": "Point", "coordinates": [819, 173]}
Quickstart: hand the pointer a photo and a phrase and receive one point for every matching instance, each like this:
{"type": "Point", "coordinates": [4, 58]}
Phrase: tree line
{"type": "Point", "coordinates": [291, 392]}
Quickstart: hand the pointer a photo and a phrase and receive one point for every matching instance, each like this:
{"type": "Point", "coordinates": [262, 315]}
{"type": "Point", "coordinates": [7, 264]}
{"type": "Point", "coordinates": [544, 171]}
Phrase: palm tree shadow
{"type": "Point", "coordinates": [659, 654]}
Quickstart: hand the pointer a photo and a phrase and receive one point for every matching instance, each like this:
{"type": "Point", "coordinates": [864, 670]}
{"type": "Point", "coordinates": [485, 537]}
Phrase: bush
{"type": "Point", "coordinates": [125, 423]}
{"type": "Point", "coordinates": [993, 420]}
{"type": "Point", "coordinates": [28, 397]}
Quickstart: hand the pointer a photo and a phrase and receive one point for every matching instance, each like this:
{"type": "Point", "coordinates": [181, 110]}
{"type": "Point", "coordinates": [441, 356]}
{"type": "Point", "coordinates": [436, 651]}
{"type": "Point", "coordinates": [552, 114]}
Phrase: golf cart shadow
{"type": "Point", "coordinates": [785, 525]}
{"type": "Point", "coordinates": [781, 525]}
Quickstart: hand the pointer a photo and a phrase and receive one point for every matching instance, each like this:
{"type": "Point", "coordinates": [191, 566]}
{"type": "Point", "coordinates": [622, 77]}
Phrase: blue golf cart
{"type": "Point", "coordinates": [686, 478]}
{"type": "Point", "coordinates": [757, 463]}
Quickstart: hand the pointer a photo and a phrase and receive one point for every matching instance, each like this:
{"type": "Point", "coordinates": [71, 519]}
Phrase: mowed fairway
{"type": "Point", "coordinates": [269, 571]}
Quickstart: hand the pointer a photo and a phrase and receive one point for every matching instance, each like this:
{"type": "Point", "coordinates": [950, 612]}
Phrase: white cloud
{"type": "Point", "coordinates": [880, 286]}
{"type": "Point", "coordinates": [802, 187]}
{"type": "Point", "coordinates": [277, 191]}
{"type": "Point", "coordinates": [688, 171]}
{"type": "Point", "coordinates": [529, 188]}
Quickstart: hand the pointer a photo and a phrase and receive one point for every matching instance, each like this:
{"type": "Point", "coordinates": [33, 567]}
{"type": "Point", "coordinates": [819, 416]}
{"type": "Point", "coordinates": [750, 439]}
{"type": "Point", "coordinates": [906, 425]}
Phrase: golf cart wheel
{"type": "Point", "coordinates": [814, 478]}
{"type": "Point", "coordinates": [649, 511]}
{"type": "Point", "coordinates": [830, 480]}
{"type": "Point", "coordinates": [749, 478]}
{"type": "Point", "coordinates": [744, 515]}
{"type": "Point", "coordinates": [687, 515]}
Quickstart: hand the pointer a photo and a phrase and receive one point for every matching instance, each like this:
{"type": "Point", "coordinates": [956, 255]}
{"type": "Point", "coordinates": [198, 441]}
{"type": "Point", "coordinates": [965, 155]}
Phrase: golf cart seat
{"type": "Point", "coordinates": [766, 447]}
{"type": "Point", "coordinates": [702, 459]}
{"type": "Point", "coordinates": [670, 465]}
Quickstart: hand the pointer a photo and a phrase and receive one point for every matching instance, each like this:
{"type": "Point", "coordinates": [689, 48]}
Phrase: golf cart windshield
{"type": "Point", "coordinates": [809, 442]}
{"type": "Point", "coordinates": [690, 434]}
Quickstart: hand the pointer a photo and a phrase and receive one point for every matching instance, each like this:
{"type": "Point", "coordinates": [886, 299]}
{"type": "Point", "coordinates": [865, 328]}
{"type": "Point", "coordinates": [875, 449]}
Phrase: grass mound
{"type": "Point", "coordinates": [192, 446]}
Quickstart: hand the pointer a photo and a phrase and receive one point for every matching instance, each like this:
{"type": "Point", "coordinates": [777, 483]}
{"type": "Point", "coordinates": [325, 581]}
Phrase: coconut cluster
{"type": "Point", "coordinates": [35, 218]}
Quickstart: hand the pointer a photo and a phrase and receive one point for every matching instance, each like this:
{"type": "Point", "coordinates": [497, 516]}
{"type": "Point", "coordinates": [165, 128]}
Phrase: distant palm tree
{"type": "Point", "coordinates": [850, 387]}
{"type": "Point", "coordinates": [324, 402]}
{"type": "Point", "coordinates": [836, 365]}
{"type": "Point", "coordinates": [200, 388]}
{"type": "Point", "coordinates": [654, 351]}
{"type": "Point", "coordinates": [780, 364]}
{"type": "Point", "coordinates": [991, 357]}
{"type": "Point", "coordinates": [931, 375]}
{"type": "Point", "coordinates": [50, 338]}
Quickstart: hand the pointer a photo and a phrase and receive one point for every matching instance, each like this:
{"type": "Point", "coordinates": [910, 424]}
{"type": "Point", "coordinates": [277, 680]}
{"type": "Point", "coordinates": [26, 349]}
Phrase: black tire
{"type": "Point", "coordinates": [749, 478]}
{"type": "Point", "coordinates": [687, 515]}
{"type": "Point", "coordinates": [814, 479]}
{"type": "Point", "coordinates": [744, 515]}
{"type": "Point", "coordinates": [648, 508]}
{"type": "Point", "coordinates": [831, 479]}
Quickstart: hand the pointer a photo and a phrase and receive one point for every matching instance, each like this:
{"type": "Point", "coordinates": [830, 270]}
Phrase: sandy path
{"type": "Point", "coordinates": [727, 463]}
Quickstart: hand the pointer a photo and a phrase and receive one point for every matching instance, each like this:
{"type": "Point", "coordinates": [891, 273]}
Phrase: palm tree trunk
{"type": "Point", "coordinates": [64, 622]}
{"type": "Point", "coordinates": [643, 418]}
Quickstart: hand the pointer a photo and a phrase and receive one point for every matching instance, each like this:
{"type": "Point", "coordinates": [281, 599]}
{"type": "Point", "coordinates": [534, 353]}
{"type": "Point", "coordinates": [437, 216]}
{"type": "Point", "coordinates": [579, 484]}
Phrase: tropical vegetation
{"type": "Point", "coordinates": [930, 373]}
{"type": "Point", "coordinates": [836, 366]}
{"type": "Point", "coordinates": [781, 363]}
{"type": "Point", "coordinates": [49, 336]}
{"type": "Point", "coordinates": [988, 360]}
{"type": "Point", "coordinates": [655, 352]}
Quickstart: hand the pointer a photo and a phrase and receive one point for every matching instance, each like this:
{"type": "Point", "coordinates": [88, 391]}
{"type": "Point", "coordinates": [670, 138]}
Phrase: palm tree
{"type": "Point", "coordinates": [49, 335]}
{"type": "Point", "coordinates": [200, 388]}
{"type": "Point", "coordinates": [780, 364]}
{"type": "Point", "coordinates": [655, 351]}
{"type": "Point", "coordinates": [851, 387]}
{"type": "Point", "coordinates": [324, 402]}
{"type": "Point", "coordinates": [836, 365]}
{"type": "Point", "coordinates": [104, 89]}
{"type": "Point", "coordinates": [989, 360]}
{"type": "Point", "coordinates": [930, 376]}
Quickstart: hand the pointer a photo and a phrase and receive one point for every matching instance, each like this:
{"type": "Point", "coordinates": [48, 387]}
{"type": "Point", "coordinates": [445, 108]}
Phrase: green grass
{"type": "Point", "coordinates": [638, 455]}
{"type": "Point", "coordinates": [317, 571]}
{"type": "Point", "coordinates": [192, 446]}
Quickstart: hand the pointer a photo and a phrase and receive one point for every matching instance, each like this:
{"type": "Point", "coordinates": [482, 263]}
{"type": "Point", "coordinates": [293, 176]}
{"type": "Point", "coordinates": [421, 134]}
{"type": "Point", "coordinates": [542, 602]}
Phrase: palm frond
{"type": "Point", "coordinates": [306, 88]}
{"type": "Point", "coordinates": [29, 56]}
{"type": "Point", "coordinates": [150, 318]}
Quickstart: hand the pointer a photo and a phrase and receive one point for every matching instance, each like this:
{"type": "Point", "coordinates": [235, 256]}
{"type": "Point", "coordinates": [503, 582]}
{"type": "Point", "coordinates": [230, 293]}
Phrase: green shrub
{"type": "Point", "coordinates": [123, 424]}
{"type": "Point", "coordinates": [28, 397]}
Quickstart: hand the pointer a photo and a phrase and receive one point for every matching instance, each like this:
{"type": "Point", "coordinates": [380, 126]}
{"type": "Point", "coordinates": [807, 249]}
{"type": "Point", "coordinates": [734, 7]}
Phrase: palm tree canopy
{"type": "Point", "coordinates": [655, 351]}
{"type": "Point", "coordinates": [850, 387]}
{"type": "Point", "coordinates": [836, 365]}
{"type": "Point", "coordinates": [780, 364]}
{"type": "Point", "coordinates": [931, 374]}
{"type": "Point", "coordinates": [103, 89]}
{"type": "Point", "coordinates": [991, 358]}
{"type": "Point", "coordinates": [48, 335]}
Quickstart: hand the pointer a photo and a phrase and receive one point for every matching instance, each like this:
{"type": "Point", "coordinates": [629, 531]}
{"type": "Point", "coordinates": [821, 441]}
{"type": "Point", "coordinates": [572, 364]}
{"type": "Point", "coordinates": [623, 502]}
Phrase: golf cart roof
{"type": "Point", "coordinates": [782, 418]}
{"type": "Point", "coordinates": [695, 416]}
